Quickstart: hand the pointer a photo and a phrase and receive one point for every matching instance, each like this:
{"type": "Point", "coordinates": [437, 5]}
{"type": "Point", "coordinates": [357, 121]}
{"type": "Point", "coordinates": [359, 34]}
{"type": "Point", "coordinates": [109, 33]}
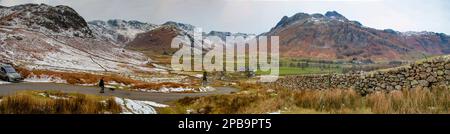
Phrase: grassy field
{"type": "Point", "coordinates": [259, 99]}
{"type": "Point", "coordinates": [306, 70]}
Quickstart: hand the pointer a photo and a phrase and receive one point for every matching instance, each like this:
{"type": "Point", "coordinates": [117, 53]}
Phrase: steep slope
{"type": "Point", "coordinates": [119, 31]}
{"type": "Point", "coordinates": [46, 37]}
{"type": "Point", "coordinates": [158, 40]}
{"type": "Point", "coordinates": [59, 20]}
{"type": "Point", "coordinates": [332, 36]}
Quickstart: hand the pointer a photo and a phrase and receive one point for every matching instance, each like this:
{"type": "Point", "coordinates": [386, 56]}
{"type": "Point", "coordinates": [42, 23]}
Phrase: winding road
{"type": "Point", "coordinates": [11, 88]}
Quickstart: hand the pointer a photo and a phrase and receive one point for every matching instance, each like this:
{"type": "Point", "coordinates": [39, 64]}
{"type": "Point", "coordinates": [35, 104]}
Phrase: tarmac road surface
{"type": "Point", "coordinates": [11, 88]}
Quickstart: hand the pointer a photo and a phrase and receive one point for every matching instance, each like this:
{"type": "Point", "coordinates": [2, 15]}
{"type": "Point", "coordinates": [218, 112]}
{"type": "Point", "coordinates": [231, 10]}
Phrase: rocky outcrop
{"type": "Point", "coordinates": [223, 35]}
{"type": "Point", "coordinates": [51, 20]}
{"type": "Point", "coordinates": [119, 31]}
{"type": "Point", "coordinates": [424, 74]}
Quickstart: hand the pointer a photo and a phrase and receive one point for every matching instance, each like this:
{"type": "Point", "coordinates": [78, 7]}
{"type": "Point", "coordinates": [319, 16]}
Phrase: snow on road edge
{"type": "Point", "coordinates": [178, 90]}
{"type": "Point", "coordinates": [138, 107]}
{"type": "Point", "coordinates": [44, 79]}
{"type": "Point", "coordinates": [4, 82]}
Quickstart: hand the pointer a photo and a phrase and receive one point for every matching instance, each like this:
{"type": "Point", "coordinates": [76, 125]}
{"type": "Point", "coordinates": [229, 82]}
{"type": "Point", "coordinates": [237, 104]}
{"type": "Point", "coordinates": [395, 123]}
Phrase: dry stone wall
{"type": "Point", "coordinates": [423, 74]}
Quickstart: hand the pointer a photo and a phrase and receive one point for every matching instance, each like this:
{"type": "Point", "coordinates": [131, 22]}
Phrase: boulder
{"type": "Point", "coordinates": [424, 83]}
{"type": "Point", "coordinates": [414, 82]}
{"type": "Point", "coordinates": [440, 72]}
{"type": "Point", "coordinates": [431, 79]}
{"type": "Point", "coordinates": [423, 75]}
{"type": "Point", "coordinates": [447, 66]}
{"type": "Point", "coordinates": [429, 69]}
{"type": "Point", "coordinates": [389, 88]}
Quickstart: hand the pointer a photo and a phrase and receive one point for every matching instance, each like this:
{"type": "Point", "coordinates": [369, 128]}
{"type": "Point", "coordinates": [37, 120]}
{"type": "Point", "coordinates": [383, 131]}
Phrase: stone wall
{"type": "Point", "coordinates": [423, 74]}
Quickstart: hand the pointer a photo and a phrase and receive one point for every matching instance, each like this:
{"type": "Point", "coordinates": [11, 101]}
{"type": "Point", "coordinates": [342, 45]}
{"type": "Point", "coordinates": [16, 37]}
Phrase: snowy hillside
{"type": "Point", "coordinates": [37, 50]}
{"type": "Point", "coordinates": [47, 37]}
{"type": "Point", "coordinates": [58, 20]}
{"type": "Point", "coordinates": [119, 31]}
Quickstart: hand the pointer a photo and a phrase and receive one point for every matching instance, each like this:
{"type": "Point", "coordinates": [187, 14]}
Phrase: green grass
{"type": "Point", "coordinates": [306, 70]}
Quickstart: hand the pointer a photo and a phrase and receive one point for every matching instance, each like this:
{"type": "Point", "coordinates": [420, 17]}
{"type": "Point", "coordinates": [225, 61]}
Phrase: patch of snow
{"type": "Point", "coordinates": [189, 111]}
{"type": "Point", "coordinates": [4, 82]}
{"type": "Point", "coordinates": [206, 89]}
{"type": "Point", "coordinates": [119, 31]}
{"type": "Point", "coordinates": [315, 19]}
{"type": "Point", "coordinates": [44, 78]}
{"type": "Point", "coordinates": [87, 85]}
{"type": "Point", "coordinates": [412, 33]}
{"type": "Point", "coordinates": [40, 51]}
{"type": "Point", "coordinates": [109, 86]}
{"type": "Point", "coordinates": [138, 107]}
{"type": "Point", "coordinates": [276, 112]}
{"type": "Point", "coordinates": [53, 96]}
{"type": "Point", "coordinates": [168, 90]}
{"type": "Point", "coordinates": [198, 75]}
{"type": "Point", "coordinates": [159, 79]}
{"type": "Point", "coordinates": [177, 90]}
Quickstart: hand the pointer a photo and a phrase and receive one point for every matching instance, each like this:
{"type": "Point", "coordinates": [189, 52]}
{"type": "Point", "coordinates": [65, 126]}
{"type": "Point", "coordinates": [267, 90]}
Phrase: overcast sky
{"type": "Point", "coordinates": [257, 16]}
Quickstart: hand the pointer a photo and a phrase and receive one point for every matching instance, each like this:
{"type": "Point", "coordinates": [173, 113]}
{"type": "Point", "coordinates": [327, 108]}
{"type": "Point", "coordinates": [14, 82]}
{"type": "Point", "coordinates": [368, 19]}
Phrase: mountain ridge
{"type": "Point", "coordinates": [326, 36]}
{"type": "Point", "coordinates": [332, 36]}
{"type": "Point", "coordinates": [58, 20]}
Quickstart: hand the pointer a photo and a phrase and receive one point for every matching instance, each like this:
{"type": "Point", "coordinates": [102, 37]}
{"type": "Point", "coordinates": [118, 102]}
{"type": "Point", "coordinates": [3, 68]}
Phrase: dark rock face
{"type": "Point", "coordinates": [119, 31]}
{"type": "Point", "coordinates": [219, 34]}
{"type": "Point", "coordinates": [409, 77]}
{"type": "Point", "coordinates": [57, 19]}
{"type": "Point", "coordinates": [335, 15]}
{"type": "Point", "coordinates": [182, 26]}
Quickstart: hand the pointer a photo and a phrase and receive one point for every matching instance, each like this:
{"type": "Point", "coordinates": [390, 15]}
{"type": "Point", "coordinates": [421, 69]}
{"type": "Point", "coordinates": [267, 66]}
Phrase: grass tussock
{"type": "Point", "coordinates": [259, 99]}
{"type": "Point", "coordinates": [53, 102]}
{"type": "Point", "coordinates": [411, 101]}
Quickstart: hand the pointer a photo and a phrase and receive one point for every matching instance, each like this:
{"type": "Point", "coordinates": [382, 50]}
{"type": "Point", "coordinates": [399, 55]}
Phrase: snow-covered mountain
{"type": "Point", "coordinates": [47, 37]}
{"type": "Point", "coordinates": [119, 31]}
{"type": "Point", "coordinates": [223, 35]}
{"type": "Point", "coordinates": [58, 20]}
{"type": "Point", "coordinates": [332, 36]}
{"type": "Point", "coordinates": [159, 39]}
